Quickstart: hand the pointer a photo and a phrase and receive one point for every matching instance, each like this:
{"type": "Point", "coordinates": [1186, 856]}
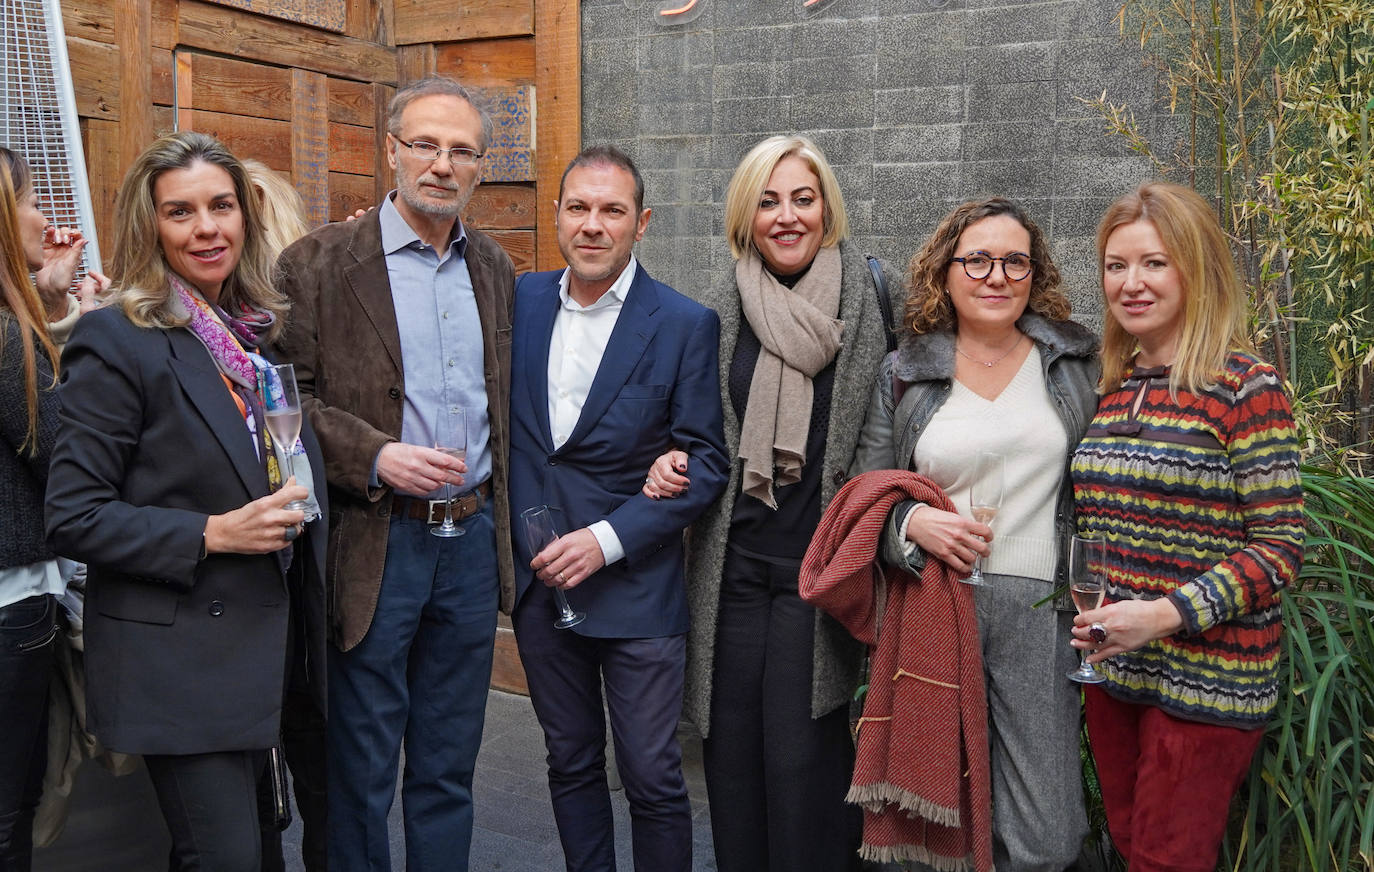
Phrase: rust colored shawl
{"type": "Point", "coordinates": [921, 772]}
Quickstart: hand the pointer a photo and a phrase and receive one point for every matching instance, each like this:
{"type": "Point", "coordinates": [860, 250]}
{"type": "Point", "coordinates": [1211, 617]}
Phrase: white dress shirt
{"type": "Point", "coordinates": [580, 335]}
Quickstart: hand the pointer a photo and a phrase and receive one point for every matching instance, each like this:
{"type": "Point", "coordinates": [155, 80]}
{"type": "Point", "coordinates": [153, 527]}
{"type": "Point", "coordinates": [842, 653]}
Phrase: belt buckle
{"type": "Point", "coordinates": [436, 511]}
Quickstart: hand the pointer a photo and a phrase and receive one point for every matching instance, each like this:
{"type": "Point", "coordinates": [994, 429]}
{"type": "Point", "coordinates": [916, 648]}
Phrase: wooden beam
{"type": "Point", "coordinates": [414, 62]}
{"type": "Point", "coordinates": [241, 34]}
{"type": "Point", "coordinates": [266, 139]}
{"type": "Point", "coordinates": [352, 149]}
{"type": "Point", "coordinates": [488, 63]}
{"type": "Point", "coordinates": [348, 193]}
{"type": "Point", "coordinates": [431, 21]}
{"type": "Point", "coordinates": [501, 207]}
{"type": "Point", "coordinates": [164, 77]}
{"type": "Point", "coordinates": [95, 78]}
{"type": "Point", "coordinates": [558, 113]}
{"type": "Point", "coordinates": [519, 244]}
{"type": "Point", "coordinates": [382, 176]}
{"type": "Point", "coordinates": [243, 88]}
{"type": "Point", "coordinates": [351, 102]}
{"type": "Point", "coordinates": [185, 100]}
{"type": "Point", "coordinates": [104, 173]}
{"type": "Point", "coordinates": [133, 32]}
{"type": "Point", "coordinates": [507, 672]}
{"type": "Point", "coordinates": [310, 142]}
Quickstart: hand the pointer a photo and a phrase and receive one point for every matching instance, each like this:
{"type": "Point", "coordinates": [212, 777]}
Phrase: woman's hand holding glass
{"type": "Point", "coordinates": [259, 527]}
{"type": "Point", "coordinates": [951, 537]}
{"type": "Point", "coordinates": [1130, 624]}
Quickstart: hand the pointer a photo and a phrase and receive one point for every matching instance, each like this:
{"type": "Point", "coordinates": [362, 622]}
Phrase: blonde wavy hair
{"type": "Point", "coordinates": [283, 210]}
{"type": "Point", "coordinates": [1214, 304]}
{"type": "Point", "coordinates": [138, 267]}
{"type": "Point", "coordinates": [928, 307]}
{"type": "Point", "coordinates": [751, 178]}
{"type": "Point", "coordinates": [18, 297]}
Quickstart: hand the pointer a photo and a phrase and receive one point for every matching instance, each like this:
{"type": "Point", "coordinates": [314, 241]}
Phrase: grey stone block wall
{"type": "Point", "coordinates": [919, 104]}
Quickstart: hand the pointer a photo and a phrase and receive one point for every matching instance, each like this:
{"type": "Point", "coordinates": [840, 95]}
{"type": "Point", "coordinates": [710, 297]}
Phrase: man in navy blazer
{"type": "Point", "coordinates": [610, 369]}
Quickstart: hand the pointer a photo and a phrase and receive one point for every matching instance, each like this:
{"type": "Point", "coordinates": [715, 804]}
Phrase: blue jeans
{"type": "Point", "coordinates": [419, 675]}
{"type": "Point", "coordinates": [27, 630]}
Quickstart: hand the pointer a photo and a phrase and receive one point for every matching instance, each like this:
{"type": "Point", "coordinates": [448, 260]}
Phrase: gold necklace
{"type": "Point", "coordinates": [991, 363]}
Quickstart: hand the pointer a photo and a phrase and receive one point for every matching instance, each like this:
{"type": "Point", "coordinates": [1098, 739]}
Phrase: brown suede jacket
{"type": "Point", "coordinates": [345, 344]}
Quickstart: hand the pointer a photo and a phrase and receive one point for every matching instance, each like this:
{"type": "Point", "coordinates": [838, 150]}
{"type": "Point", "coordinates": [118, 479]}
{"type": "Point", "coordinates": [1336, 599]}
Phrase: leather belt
{"type": "Point", "coordinates": [432, 511]}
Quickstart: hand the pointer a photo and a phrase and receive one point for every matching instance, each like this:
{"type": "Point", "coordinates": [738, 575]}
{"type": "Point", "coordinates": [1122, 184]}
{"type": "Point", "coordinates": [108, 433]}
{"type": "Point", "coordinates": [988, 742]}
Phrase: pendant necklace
{"type": "Point", "coordinates": [991, 363]}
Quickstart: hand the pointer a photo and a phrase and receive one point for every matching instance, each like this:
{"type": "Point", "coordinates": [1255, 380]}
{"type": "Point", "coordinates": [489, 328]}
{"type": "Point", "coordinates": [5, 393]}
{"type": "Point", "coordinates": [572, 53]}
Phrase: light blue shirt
{"type": "Point", "coordinates": [441, 338]}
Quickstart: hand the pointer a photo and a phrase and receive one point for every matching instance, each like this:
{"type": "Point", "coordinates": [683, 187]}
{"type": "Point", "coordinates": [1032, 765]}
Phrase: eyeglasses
{"type": "Point", "coordinates": [458, 155]}
{"type": "Point", "coordinates": [979, 265]}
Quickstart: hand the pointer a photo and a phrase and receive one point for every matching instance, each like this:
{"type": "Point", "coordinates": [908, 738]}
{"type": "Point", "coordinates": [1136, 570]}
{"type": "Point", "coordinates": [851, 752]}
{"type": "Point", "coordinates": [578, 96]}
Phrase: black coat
{"type": "Point", "coordinates": [183, 655]}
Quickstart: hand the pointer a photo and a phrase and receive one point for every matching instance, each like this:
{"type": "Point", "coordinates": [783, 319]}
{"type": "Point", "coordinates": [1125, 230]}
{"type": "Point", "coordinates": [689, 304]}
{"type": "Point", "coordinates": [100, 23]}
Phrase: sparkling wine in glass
{"type": "Point", "coordinates": [282, 414]}
{"type": "Point", "coordinates": [1087, 586]}
{"type": "Point", "coordinates": [986, 499]}
{"type": "Point", "coordinates": [540, 532]}
{"type": "Point", "coordinates": [451, 439]}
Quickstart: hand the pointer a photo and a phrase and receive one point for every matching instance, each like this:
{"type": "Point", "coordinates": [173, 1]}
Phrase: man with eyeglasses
{"type": "Point", "coordinates": [397, 319]}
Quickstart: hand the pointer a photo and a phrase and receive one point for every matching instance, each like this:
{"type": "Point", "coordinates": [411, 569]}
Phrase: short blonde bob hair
{"type": "Point", "coordinates": [928, 307]}
{"type": "Point", "coordinates": [138, 268]}
{"type": "Point", "coordinates": [1214, 305]}
{"type": "Point", "coordinates": [751, 178]}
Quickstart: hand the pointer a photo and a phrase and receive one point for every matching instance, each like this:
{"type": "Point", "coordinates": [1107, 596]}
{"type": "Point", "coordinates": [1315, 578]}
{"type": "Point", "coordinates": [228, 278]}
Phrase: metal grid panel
{"type": "Point", "coordinates": [38, 113]}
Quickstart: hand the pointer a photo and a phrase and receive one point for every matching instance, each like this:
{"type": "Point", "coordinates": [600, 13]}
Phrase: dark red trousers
{"type": "Point", "coordinates": [1166, 783]}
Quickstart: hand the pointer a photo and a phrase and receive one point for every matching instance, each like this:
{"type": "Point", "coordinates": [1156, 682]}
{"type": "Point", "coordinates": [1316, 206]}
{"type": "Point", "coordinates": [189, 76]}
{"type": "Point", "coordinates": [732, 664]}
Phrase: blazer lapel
{"type": "Point", "coordinates": [201, 381]}
{"type": "Point", "coordinates": [536, 332]}
{"type": "Point", "coordinates": [633, 330]}
{"type": "Point", "coordinates": [368, 281]}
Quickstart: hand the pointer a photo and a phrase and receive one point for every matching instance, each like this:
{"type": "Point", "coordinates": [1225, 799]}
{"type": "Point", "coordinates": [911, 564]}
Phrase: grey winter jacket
{"type": "Point", "coordinates": [925, 365]}
{"type": "Point", "coordinates": [837, 656]}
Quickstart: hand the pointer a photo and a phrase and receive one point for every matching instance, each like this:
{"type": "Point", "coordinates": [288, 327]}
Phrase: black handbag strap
{"type": "Point", "coordinates": [884, 300]}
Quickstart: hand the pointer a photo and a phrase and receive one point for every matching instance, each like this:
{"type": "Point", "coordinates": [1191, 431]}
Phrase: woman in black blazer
{"type": "Point", "coordinates": [163, 480]}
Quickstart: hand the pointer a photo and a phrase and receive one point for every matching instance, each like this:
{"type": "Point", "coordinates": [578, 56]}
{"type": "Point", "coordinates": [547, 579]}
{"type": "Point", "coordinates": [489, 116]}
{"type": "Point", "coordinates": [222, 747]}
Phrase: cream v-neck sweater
{"type": "Point", "coordinates": [1022, 426]}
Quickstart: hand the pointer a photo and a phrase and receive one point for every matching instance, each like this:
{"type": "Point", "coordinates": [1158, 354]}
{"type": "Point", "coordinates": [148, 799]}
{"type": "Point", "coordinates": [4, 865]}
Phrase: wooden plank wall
{"type": "Point", "coordinates": [311, 102]}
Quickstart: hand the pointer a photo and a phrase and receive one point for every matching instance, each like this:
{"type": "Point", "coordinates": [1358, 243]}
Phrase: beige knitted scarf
{"type": "Point", "coordinates": [799, 335]}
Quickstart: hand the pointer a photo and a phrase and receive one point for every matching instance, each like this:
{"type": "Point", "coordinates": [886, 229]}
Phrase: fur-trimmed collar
{"type": "Point", "coordinates": [929, 356]}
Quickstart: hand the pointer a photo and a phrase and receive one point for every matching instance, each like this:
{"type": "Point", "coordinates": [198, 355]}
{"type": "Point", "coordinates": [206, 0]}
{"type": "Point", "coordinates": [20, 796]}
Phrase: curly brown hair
{"type": "Point", "coordinates": [928, 307]}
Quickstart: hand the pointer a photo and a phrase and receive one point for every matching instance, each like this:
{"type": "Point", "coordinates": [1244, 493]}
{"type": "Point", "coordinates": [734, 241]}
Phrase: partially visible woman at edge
{"type": "Point", "coordinates": [769, 677]}
{"type": "Point", "coordinates": [165, 482]}
{"type": "Point", "coordinates": [1190, 474]}
{"type": "Point", "coordinates": [29, 577]}
{"type": "Point", "coordinates": [990, 362]}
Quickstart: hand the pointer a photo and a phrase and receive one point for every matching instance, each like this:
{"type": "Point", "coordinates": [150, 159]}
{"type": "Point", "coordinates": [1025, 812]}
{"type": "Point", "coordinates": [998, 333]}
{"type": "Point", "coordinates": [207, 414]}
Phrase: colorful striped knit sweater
{"type": "Point", "coordinates": [1199, 500]}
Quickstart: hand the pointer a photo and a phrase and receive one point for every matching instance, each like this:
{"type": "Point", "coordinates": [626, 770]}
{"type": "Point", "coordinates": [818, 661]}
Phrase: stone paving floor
{"type": "Point", "coordinates": [115, 826]}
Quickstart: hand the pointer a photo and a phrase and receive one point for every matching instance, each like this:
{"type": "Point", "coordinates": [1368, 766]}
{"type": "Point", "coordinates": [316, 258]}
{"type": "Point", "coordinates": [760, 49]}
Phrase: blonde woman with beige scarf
{"type": "Point", "coordinates": [768, 676]}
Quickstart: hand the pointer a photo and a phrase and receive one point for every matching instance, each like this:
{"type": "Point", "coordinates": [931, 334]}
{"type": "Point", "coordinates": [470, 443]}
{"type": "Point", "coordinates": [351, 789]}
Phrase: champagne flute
{"type": "Point", "coordinates": [986, 499]}
{"type": "Point", "coordinates": [282, 415]}
{"type": "Point", "coordinates": [539, 534]}
{"type": "Point", "coordinates": [1087, 585]}
{"type": "Point", "coordinates": [451, 439]}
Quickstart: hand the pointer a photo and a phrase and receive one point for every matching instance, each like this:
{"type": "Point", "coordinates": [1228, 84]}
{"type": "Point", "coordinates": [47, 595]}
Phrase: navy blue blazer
{"type": "Point", "coordinates": [656, 389]}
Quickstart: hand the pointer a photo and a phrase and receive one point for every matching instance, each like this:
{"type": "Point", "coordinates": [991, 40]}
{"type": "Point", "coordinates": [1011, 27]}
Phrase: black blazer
{"type": "Point", "coordinates": [183, 655]}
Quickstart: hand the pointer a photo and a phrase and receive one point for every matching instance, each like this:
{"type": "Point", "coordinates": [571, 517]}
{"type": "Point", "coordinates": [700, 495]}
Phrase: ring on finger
{"type": "Point", "coordinates": [291, 532]}
{"type": "Point", "coordinates": [1098, 633]}
{"type": "Point", "coordinates": [561, 579]}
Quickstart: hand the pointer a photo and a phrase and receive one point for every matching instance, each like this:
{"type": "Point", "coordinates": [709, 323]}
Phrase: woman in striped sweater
{"type": "Point", "coordinates": [1189, 472]}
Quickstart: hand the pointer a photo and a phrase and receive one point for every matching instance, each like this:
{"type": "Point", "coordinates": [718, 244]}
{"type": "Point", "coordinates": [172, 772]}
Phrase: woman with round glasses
{"type": "Point", "coordinates": [1189, 471]}
{"type": "Point", "coordinates": [990, 364]}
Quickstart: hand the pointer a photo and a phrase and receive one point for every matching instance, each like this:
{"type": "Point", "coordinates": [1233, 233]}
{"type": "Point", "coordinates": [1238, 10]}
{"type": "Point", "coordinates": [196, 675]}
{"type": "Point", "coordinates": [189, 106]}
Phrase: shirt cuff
{"type": "Point", "coordinates": [611, 549]}
{"type": "Point", "coordinates": [909, 547]}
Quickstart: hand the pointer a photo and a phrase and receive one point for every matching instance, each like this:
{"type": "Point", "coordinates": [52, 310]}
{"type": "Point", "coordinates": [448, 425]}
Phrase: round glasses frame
{"type": "Point", "coordinates": [1015, 266]}
{"type": "Point", "coordinates": [428, 151]}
